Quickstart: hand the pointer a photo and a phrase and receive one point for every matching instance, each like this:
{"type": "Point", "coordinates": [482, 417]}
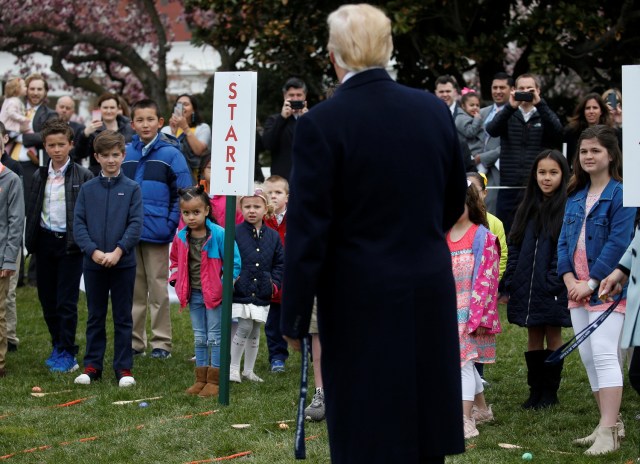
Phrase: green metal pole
{"type": "Point", "coordinates": [227, 299]}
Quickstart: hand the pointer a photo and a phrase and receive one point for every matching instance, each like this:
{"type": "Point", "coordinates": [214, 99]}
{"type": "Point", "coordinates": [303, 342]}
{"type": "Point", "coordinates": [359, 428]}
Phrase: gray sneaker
{"type": "Point", "coordinates": [315, 411]}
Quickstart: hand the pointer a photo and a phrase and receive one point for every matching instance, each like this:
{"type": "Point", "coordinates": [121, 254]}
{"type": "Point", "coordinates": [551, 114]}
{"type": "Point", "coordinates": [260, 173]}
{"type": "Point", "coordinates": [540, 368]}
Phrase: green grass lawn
{"type": "Point", "coordinates": [178, 428]}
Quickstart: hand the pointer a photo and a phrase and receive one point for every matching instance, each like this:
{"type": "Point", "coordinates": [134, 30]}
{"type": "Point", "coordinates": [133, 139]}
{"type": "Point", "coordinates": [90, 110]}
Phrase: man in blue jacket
{"type": "Point", "coordinates": [155, 162]}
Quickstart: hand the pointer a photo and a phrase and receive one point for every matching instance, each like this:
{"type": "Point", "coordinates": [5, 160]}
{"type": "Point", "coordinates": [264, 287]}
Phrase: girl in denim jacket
{"type": "Point", "coordinates": [595, 234]}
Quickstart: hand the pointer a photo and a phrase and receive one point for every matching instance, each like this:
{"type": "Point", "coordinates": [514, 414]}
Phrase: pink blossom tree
{"type": "Point", "coordinates": [101, 45]}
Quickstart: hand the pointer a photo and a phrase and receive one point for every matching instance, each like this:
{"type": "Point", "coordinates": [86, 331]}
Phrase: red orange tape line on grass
{"type": "Point", "coordinates": [223, 458]}
{"type": "Point", "coordinates": [88, 439]}
{"type": "Point", "coordinates": [70, 403]}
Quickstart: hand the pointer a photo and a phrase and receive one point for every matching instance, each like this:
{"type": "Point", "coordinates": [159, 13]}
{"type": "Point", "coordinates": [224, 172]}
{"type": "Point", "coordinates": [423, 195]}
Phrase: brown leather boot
{"type": "Point", "coordinates": [211, 388]}
{"type": "Point", "coordinates": [201, 381]}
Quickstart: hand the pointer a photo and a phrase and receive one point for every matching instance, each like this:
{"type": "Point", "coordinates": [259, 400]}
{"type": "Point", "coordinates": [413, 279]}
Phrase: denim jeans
{"type": "Point", "coordinates": [206, 330]}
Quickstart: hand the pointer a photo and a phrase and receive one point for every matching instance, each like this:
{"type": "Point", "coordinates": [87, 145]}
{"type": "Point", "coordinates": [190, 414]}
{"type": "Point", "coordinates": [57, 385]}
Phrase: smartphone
{"type": "Point", "coordinates": [524, 96]}
{"type": "Point", "coordinates": [96, 115]}
{"type": "Point", "coordinates": [178, 110]}
{"type": "Point", "coordinates": [612, 100]}
{"type": "Point", "coordinates": [296, 104]}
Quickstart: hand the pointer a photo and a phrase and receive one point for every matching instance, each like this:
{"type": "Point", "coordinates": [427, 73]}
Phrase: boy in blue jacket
{"type": "Point", "coordinates": [155, 162]}
{"type": "Point", "coordinates": [107, 227]}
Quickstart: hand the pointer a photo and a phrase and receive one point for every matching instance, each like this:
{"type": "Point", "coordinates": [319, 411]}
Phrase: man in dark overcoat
{"type": "Point", "coordinates": [377, 180]}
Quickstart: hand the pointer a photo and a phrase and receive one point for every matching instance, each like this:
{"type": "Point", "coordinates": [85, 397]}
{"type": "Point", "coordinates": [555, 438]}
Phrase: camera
{"type": "Point", "coordinates": [524, 96]}
{"type": "Point", "coordinates": [296, 104]}
{"type": "Point", "coordinates": [612, 100]}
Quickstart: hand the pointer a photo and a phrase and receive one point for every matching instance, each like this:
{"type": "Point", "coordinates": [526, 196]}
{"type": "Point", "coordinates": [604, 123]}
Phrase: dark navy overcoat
{"type": "Point", "coordinates": [377, 179]}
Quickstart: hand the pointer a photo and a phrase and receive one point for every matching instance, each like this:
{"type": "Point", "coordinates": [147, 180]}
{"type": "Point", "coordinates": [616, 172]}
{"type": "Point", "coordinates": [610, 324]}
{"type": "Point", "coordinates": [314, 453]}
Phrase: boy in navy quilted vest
{"type": "Point", "coordinates": [260, 280]}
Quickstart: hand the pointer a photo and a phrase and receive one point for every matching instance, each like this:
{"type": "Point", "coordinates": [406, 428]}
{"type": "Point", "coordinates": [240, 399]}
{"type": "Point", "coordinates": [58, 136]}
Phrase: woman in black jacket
{"type": "Point", "coordinates": [537, 296]}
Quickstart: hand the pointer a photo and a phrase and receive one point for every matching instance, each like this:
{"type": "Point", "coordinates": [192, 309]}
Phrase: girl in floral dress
{"type": "Point", "coordinates": [475, 258]}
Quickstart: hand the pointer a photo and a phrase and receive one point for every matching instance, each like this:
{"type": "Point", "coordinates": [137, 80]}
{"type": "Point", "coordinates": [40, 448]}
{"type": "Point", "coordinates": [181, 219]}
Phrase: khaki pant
{"type": "Point", "coordinates": [4, 289]}
{"type": "Point", "coordinates": [12, 314]}
{"type": "Point", "coordinates": [150, 291]}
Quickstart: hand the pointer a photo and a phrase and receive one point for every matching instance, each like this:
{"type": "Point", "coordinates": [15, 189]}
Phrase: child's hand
{"type": "Point", "coordinates": [98, 257]}
{"type": "Point", "coordinates": [480, 331]}
{"type": "Point", "coordinates": [612, 284]}
{"type": "Point", "coordinates": [569, 282]}
{"type": "Point", "coordinates": [580, 292]}
{"type": "Point", "coordinates": [111, 259]}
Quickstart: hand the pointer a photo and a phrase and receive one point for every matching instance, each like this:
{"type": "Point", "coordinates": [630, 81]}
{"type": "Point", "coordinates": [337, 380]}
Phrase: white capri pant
{"type": "Point", "coordinates": [471, 381]}
{"type": "Point", "coordinates": [599, 352]}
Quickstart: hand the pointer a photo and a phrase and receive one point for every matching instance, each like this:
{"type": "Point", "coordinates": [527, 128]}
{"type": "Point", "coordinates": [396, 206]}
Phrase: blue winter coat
{"type": "Point", "coordinates": [160, 173]}
{"type": "Point", "coordinates": [537, 296]}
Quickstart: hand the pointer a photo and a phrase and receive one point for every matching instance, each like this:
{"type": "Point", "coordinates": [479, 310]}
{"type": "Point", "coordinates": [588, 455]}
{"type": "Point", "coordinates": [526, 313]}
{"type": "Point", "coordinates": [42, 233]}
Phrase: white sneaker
{"type": "Point", "coordinates": [83, 379]}
{"type": "Point", "coordinates": [234, 375]}
{"type": "Point", "coordinates": [127, 381]}
{"type": "Point", "coordinates": [250, 375]}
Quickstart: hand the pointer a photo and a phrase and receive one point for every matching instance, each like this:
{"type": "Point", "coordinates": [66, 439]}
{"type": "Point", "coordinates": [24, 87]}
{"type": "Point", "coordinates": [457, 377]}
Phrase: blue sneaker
{"type": "Point", "coordinates": [159, 353]}
{"type": "Point", "coordinates": [277, 365]}
{"type": "Point", "coordinates": [66, 362]}
{"type": "Point", "coordinates": [50, 361]}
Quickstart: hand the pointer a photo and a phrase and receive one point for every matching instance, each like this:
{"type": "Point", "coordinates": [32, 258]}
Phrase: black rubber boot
{"type": "Point", "coordinates": [551, 374]}
{"type": "Point", "coordinates": [535, 364]}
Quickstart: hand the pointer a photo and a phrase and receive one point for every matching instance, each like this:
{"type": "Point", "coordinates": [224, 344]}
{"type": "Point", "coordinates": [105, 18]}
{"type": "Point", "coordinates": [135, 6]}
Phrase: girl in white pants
{"type": "Point", "coordinates": [596, 231]}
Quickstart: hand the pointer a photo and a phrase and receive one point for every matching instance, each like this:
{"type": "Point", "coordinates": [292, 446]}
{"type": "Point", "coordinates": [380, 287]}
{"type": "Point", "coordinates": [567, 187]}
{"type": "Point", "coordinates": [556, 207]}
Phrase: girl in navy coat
{"type": "Point", "coordinates": [537, 296]}
{"type": "Point", "coordinates": [260, 279]}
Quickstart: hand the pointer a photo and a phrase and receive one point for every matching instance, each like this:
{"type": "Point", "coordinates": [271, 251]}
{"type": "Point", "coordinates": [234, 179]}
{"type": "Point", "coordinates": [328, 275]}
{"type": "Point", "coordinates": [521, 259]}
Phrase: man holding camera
{"type": "Point", "coordinates": [525, 126]}
{"type": "Point", "coordinates": [279, 128]}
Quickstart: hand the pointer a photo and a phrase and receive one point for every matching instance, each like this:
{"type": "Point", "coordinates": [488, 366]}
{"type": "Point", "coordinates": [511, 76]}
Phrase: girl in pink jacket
{"type": "Point", "coordinates": [475, 256]}
{"type": "Point", "coordinates": [196, 273]}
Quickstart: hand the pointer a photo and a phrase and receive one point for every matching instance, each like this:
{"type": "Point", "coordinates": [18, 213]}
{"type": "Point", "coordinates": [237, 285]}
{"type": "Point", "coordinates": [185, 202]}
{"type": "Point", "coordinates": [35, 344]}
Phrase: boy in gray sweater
{"type": "Point", "coordinates": [11, 226]}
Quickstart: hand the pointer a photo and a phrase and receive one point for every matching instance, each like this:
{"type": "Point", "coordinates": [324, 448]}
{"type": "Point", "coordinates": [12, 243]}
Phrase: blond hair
{"type": "Point", "coordinates": [13, 87]}
{"type": "Point", "coordinates": [360, 37]}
